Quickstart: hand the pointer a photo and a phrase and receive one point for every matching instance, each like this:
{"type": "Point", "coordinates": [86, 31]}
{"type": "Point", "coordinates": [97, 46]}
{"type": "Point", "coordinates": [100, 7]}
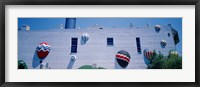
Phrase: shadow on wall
{"type": "Point", "coordinates": [71, 63]}
{"type": "Point", "coordinates": [147, 62]}
{"type": "Point", "coordinates": [36, 60]}
{"type": "Point", "coordinates": [82, 41]}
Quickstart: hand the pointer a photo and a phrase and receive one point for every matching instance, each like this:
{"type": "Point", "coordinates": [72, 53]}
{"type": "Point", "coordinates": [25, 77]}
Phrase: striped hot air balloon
{"type": "Point", "coordinates": [157, 28]}
{"type": "Point", "coordinates": [123, 58]}
{"type": "Point", "coordinates": [148, 53]}
{"type": "Point", "coordinates": [163, 43]}
{"type": "Point", "coordinates": [43, 50]}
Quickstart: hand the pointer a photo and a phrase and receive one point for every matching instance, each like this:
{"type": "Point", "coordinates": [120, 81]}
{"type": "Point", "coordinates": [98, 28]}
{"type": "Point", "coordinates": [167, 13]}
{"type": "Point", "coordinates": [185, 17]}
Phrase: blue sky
{"type": "Point", "coordinates": [54, 23]}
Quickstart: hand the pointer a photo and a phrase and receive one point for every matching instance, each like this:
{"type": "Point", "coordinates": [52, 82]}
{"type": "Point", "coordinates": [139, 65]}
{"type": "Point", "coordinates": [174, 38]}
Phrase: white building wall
{"type": "Point", "coordinates": [95, 50]}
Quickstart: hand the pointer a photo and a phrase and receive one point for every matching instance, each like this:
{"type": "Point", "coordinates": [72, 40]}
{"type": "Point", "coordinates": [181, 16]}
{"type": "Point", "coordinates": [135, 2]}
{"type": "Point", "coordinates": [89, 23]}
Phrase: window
{"type": "Point", "coordinates": [109, 41]}
{"type": "Point", "coordinates": [138, 45]}
{"type": "Point", "coordinates": [168, 34]}
{"type": "Point", "coordinates": [74, 42]}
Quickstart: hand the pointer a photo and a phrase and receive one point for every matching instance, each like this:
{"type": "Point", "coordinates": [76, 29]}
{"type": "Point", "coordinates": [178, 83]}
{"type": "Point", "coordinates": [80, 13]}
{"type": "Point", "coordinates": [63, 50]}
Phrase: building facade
{"type": "Point", "coordinates": [99, 49]}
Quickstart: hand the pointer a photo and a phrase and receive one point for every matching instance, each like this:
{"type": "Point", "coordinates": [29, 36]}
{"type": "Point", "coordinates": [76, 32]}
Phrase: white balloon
{"type": "Point", "coordinates": [73, 58]}
{"type": "Point", "coordinates": [164, 42]}
{"type": "Point", "coordinates": [85, 37]}
{"type": "Point", "coordinates": [158, 26]}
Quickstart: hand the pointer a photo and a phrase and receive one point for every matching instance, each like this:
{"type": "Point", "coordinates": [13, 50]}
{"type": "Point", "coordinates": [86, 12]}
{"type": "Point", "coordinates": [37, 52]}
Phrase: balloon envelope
{"type": "Point", "coordinates": [173, 52]}
{"type": "Point", "coordinates": [163, 43]}
{"type": "Point", "coordinates": [22, 65]}
{"type": "Point", "coordinates": [148, 53]}
{"type": "Point", "coordinates": [157, 28]}
{"type": "Point", "coordinates": [123, 58]}
{"type": "Point", "coordinates": [43, 50]}
{"type": "Point", "coordinates": [85, 37]}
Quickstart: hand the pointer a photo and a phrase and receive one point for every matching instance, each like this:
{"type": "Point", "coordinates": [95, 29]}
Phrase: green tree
{"type": "Point", "coordinates": [156, 61]}
{"type": "Point", "coordinates": [159, 61]}
{"type": "Point", "coordinates": [173, 62]}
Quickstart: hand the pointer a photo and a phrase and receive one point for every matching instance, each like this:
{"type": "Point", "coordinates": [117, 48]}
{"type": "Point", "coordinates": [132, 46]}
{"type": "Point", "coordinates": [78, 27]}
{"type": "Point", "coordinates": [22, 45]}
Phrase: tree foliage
{"type": "Point", "coordinates": [90, 67]}
{"type": "Point", "coordinates": [159, 61]}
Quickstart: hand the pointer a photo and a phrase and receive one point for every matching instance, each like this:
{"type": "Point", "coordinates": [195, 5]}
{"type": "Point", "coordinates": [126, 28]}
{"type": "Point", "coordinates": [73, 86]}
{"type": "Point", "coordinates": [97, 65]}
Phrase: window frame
{"type": "Point", "coordinates": [138, 45]}
{"type": "Point", "coordinates": [74, 45]}
{"type": "Point", "coordinates": [110, 41]}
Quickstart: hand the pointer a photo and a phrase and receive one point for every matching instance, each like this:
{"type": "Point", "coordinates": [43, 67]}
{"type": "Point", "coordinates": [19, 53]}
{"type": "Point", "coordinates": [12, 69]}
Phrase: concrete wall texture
{"type": "Point", "coordinates": [95, 51]}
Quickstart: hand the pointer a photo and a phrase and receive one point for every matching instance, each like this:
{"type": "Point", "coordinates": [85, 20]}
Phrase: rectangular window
{"type": "Point", "coordinates": [109, 41]}
{"type": "Point", "coordinates": [138, 45]}
{"type": "Point", "coordinates": [74, 43]}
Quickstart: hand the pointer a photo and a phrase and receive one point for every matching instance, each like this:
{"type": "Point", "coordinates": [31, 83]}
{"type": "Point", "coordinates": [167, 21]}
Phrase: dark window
{"type": "Point", "coordinates": [138, 45]}
{"type": "Point", "coordinates": [74, 42]}
{"type": "Point", "coordinates": [168, 34]}
{"type": "Point", "coordinates": [109, 41]}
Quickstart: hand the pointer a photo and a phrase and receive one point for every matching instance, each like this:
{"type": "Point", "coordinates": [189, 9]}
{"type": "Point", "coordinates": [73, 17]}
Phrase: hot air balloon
{"type": "Point", "coordinates": [173, 53]}
{"type": "Point", "coordinates": [43, 50]}
{"type": "Point", "coordinates": [22, 65]}
{"type": "Point", "coordinates": [73, 58]}
{"type": "Point", "coordinates": [148, 53]}
{"type": "Point", "coordinates": [157, 28]}
{"type": "Point", "coordinates": [123, 58]}
{"type": "Point", "coordinates": [163, 43]}
{"type": "Point", "coordinates": [85, 37]}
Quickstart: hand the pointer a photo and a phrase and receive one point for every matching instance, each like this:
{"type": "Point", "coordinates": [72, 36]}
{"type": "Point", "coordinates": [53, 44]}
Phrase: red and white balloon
{"type": "Point", "coordinates": [123, 58]}
{"type": "Point", "coordinates": [43, 50]}
{"type": "Point", "coordinates": [148, 53]}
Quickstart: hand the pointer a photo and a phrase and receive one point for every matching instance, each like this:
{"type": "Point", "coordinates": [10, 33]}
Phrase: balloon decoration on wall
{"type": "Point", "coordinates": [22, 65]}
{"type": "Point", "coordinates": [123, 58]}
{"type": "Point", "coordinates": [73, 58]}
{"type": "Point", "coordinates": [43, 50]}
{"type": "Point", "coordinates": [85, 37]}
{"type": "Point", "coordinates": [148, 53]}
{"type": "Point", "coordinates": [173, 53]}
{"type": "Point", "coordinates": [163, 43]}
{"type": "Point", "coordinates": [157, 28]}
